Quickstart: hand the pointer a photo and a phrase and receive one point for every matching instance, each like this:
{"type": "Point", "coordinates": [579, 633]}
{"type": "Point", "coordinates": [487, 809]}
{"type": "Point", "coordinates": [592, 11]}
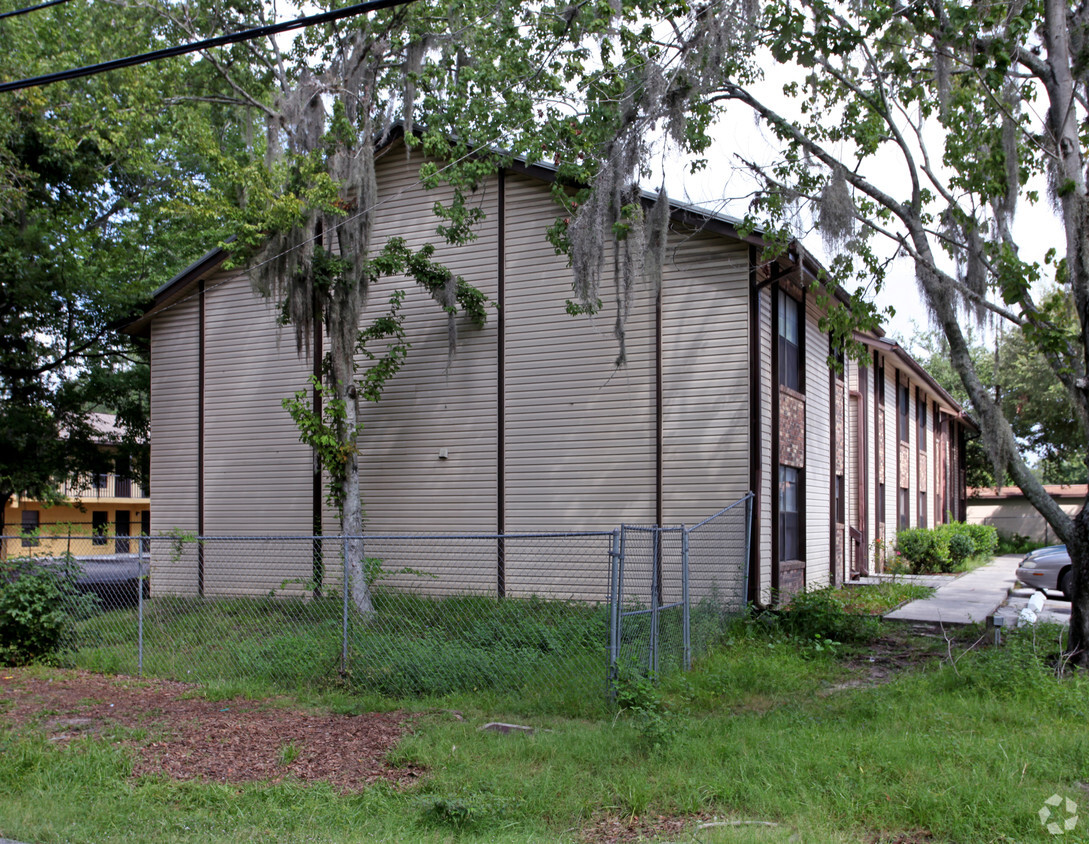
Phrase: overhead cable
{"type": "Point", "coordinates": [15, 12]}
{"type": "Point", "coordinates": [195, 46]}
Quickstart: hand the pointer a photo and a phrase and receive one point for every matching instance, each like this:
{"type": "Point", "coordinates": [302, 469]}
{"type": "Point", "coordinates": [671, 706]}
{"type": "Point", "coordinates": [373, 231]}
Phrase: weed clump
{"type": "Point", "coordinates": [639, 695]}
{"type": "Point", "coordinates": [820, 616]}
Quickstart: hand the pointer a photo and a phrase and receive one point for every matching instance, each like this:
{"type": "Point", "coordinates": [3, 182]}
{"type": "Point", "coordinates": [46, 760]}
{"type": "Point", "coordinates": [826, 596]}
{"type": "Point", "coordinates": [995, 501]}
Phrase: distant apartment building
{"type": "Point", "coordinates": [98, 516]}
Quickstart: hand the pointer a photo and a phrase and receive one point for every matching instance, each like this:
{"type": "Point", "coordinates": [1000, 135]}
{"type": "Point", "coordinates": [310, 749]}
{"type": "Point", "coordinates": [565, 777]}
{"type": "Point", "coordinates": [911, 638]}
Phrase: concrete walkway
{"type": "Point", "coordinates": [968, 599]}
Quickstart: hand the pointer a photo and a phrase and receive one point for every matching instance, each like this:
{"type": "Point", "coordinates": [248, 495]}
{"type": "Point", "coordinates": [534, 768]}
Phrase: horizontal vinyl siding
{"type": "Point", "coordinates": [818, 450]}
{"type": "Point", "coordinates": [438, 400]}
{"type": "Point", "coordinates": [768, 458]}
{"type": "Point", "coordinates": [257, 475]}
{"type": "Point", "coordinates": [580, 433]}
{"type": "Point", "coordinates": [705, 373]}
{"type": "Point", "coordinates": [892, 445]}
{"type": "Point", "coordinates": [175, 382]}
{"type": "Point", "coordinates": [871, 463]}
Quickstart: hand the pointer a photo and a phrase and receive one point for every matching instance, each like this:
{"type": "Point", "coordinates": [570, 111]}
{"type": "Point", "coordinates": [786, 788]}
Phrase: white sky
{"type": "Point", "coordinates": [726, 187]}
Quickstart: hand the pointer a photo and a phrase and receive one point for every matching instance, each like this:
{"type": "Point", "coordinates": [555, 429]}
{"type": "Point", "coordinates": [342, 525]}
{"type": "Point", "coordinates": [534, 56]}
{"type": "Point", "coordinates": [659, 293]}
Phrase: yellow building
{"type": "Point", "coordinates": [101, 513]}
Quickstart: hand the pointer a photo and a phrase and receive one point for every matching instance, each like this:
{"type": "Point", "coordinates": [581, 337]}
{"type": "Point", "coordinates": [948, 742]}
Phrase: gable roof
{"type": "Point", "coordinates": [796, 258]}
{"type": "Point", "coordinates": [894, 349]}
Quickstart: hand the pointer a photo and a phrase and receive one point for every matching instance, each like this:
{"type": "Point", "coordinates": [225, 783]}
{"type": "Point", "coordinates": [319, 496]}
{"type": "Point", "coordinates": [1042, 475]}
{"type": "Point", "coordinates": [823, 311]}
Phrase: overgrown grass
{"type": "Point", "coordinates": [548, 655]}
{"type": "Point", "coordinates": [764, 729]}
{"type": "Point", "coordinates": [880, 598]}
{"type": "Point", "coordinates": [529, 655]}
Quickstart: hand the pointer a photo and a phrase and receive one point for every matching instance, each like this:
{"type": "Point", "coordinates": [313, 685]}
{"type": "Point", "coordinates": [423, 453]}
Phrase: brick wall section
{"type": "Point", "coordinates": [841, 538]}
{"type": "Point", "coordinates": [922, 471]}
{"type": "Point", "coordinates": [880, 446]}
{"type": "Point", "coordinates": [791, 577]}
{"type": "Point", "coordinates": [840, 427]}
{"type": "Point", "coordinates": [791, 428]}
{"type": "Point", "coordinates": [905, 466]}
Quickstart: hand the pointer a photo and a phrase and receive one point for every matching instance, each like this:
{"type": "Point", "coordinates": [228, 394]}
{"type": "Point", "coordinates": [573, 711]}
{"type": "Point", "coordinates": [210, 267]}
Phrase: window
{"type": "Point", "coordinates": [880, 504]}
{"type": "Point", "coordinates": [839, 500]}
{"type": "Point", "coordinates": [920, 412]}
{"type": "Point", "coordinates": [922, 509]}
{"type": "Point", "coordinates": [790, 371]}
{"type": "Point", "coordinates": [100, 521]}
{"type": "Point", "coordinates": [100, 481]}
{"type": "Point", "coordinates": [790, 534]}
{"type": "Point", "coordinates": [905, 509]}
{"type": "Point", "coordinates": [903, 398]}
{"type": "Point", "coordinates": [30, 523]}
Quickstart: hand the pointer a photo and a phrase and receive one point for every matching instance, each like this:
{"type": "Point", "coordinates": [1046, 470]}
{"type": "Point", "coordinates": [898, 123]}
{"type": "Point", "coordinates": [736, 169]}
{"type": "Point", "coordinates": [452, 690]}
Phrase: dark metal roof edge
{"type": "Point", "coordinates": [174, 288]}
{"type": "Point", "coordinates": [894, 348]}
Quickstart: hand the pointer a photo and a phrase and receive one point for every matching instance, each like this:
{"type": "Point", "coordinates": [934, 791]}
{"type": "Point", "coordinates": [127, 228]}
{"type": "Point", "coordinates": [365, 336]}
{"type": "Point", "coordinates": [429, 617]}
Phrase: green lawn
{"type": "Point", "coordinates": [766, 728]}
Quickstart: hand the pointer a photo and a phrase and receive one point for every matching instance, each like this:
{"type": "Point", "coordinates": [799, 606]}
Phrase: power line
{"type": "Point", "coordinates": [195, 46]}
{"type": "Point", "coordinates": [15, 12]}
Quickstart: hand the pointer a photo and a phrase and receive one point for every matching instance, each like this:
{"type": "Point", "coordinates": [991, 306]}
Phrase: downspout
{"type": "Point", "coordinates": [756, 474]}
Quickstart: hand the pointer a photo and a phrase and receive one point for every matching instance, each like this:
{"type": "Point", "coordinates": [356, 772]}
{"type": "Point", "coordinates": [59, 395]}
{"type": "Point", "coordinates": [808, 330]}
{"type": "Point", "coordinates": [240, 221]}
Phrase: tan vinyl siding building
{"type": "Point", "coordinates": [529, 425]}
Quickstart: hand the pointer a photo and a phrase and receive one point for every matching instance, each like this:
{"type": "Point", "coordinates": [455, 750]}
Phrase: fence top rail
{"type": "Point", "coordinates": [653, 529]}
{"type": "Point", "coordinates": [330, 537]}
{"type": "Point", "coordinates": [746, 497]}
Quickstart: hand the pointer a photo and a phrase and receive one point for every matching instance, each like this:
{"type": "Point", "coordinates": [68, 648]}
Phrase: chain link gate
{"type": "Point", "coordinates": [673, 590]}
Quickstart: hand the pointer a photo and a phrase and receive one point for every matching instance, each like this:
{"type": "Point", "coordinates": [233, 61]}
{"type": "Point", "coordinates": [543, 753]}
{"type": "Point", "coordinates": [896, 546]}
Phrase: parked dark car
{"type": "Point", "coordinates": [113, 580]}
{"type": "Point", "coordinates": [1047, 568]}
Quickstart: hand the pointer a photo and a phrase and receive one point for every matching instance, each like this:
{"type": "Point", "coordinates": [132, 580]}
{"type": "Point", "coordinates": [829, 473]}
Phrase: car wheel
{"type": "Point", "coordinates": [1066, 584]}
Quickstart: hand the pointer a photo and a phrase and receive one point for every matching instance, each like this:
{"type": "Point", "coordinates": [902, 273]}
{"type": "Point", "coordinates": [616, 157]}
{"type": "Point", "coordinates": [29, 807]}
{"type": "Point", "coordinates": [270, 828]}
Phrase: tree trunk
{"type": "Point", "coordinates": [1079, 602]}
{"type": "Point", "coordinates": [351, 518]}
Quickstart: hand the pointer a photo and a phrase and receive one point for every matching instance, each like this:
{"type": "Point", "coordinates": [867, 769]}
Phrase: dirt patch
{"type": "Point", "coordinates": [610, 828]}
{"type": "Point", "coordinates": [893, 654]}
{"type": "Point", "coordinates": [187, 737]}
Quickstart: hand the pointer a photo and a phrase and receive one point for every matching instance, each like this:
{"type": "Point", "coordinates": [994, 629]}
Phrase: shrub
{"type": "Point", "coordinates": [961, 548]}
{"type": "Point", "coordinates": [925, 550]}
{"type": "Point", "coordinates": [32, 615]}
{"type": "Point", "coordinates": [1015, 543]}
{"type": "Point", "coordinates": [820, 615]}
{"type": "Point", "coordinates": [984, 537]}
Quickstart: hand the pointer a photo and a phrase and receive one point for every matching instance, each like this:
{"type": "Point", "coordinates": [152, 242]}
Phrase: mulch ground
{"type": "Point", "coordinates": [188, 737]}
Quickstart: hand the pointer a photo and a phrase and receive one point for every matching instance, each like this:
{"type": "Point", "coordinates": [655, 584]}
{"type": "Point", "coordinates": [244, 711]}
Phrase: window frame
{"type": "Point", "coordinates": [790, 520]}
{"type": "Point", "coordinates": [100, 526]}
{"type": "Point", "coordinates": [903, 411]}
{"type": "Point", "coordinates": [790, 351]}
{"type": "Point", "coordinates": [28, 528]}
{"type": "Point", "coordinates": [920, 416]}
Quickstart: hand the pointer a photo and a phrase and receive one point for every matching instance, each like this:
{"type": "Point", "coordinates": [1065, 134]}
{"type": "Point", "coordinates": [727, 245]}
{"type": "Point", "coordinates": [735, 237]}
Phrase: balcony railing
{"type": "Point", "coordinates": [92, 487]}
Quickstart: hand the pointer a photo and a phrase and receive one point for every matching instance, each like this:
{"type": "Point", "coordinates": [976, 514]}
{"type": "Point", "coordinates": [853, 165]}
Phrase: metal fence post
{"type": "Point", "coordinates": [655, 585]}
{"type": "Point", "coordinates": [614, 611]}
{"type": "Point", "coordinates": [686, 608]}
{"type": "Point", "coordinates": [344, 612]}
{"type": "Point", "coordinates": [140, 608]}
{"type": "Point", "coordinates": [748, 550]}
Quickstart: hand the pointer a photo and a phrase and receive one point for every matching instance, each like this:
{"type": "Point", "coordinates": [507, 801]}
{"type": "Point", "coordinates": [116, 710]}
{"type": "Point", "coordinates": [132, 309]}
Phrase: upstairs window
{"type": "Point", "coordinates": [903, 400]}
{"type": "Point", "coordinates": [920, 412]}
{"type": "Point", "coordinates": [790, 364]}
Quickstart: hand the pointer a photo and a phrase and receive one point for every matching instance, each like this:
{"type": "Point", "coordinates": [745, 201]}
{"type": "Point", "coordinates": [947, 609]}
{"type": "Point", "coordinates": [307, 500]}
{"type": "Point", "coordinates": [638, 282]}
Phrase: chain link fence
{"type": "Point", "coordinates": [546, 616]}
{"type": "Point", "coordinates": [676, 588]}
